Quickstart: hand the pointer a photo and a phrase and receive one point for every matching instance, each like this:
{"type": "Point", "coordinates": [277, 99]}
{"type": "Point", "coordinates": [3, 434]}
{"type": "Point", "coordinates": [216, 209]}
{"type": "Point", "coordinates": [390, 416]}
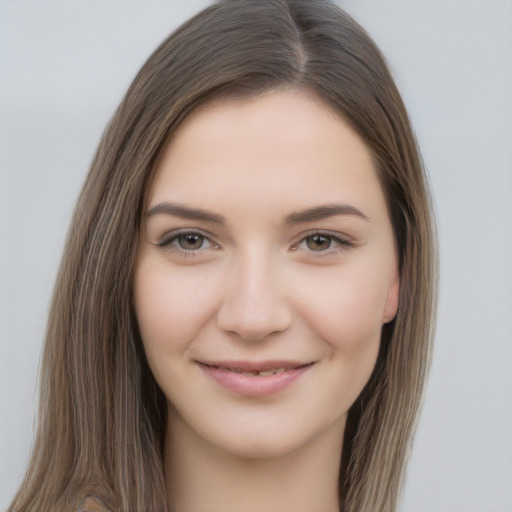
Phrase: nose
{"type": "Point", "coordinates": [254, 304]}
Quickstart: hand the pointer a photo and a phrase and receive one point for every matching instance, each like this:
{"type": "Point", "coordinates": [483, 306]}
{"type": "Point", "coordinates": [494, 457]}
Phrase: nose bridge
{"type": "Point", "coordinates": [254, 304]}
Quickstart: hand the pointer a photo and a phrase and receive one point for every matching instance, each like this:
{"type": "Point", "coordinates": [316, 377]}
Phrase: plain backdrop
{"type": "Point", "coordinates": [64, 66]}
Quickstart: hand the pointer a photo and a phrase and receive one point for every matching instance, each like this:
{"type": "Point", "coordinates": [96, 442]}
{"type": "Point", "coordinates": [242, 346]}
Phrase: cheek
{"type": "Point", "coordinates": [346, 308]}
{"type": "Point", "coordinates": [348, 319]}
{"type": "Point", "coordinates": [170, 307]}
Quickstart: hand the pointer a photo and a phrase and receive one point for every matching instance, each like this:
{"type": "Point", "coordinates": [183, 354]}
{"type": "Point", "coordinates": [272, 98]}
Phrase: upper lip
{"type": "Point", "coordinates": [256, 366]}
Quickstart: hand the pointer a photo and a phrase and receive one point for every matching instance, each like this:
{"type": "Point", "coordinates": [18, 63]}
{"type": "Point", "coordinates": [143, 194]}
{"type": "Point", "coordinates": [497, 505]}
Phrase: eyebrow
{"type": "Point", "coordinates": [299, 217]}
{"type": "Point", "coordinates": [323, 212]}
{"type": "Point", "coordinates": [180, 210]}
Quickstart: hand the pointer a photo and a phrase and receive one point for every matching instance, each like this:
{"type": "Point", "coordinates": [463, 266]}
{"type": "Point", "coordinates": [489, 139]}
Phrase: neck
{"type": "Point", "coordinates": [202, 477]}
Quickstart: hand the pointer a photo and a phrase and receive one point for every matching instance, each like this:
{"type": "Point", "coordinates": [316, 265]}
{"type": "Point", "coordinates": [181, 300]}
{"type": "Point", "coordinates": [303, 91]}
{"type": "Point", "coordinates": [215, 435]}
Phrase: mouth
{"type": "Point", "coordinates": [255, 379]}
{"type": "Point", "coordinates": [265, 369]}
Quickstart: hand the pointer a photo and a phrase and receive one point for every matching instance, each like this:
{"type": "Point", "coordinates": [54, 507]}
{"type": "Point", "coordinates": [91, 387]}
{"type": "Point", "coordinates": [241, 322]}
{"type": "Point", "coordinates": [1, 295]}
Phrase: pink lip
{"type": "Point", "coordinates": [229, 375]}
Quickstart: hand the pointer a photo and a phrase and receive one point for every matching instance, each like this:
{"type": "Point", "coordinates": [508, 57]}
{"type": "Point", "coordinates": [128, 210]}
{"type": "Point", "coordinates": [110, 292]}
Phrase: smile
{"type": "Point", "coordinates": [255, 379]}
{"type": "Point", "coordinates": [262, 373]}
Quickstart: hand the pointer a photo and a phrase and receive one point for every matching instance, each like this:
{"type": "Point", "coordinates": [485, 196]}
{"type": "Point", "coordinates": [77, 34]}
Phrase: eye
{"type": "Point", "coordinates": [323, 243]}
{"type": "Point", "coordinates": [186, 242]}
{"type": "Point", "coordinates": [318, 242]}
{"type": "Point", "coordinates": [190, 241]}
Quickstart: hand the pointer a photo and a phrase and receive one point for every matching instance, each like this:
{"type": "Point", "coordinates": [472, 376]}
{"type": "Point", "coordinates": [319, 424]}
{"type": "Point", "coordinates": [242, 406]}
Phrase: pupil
{"type": "Point", "coordinates": [190, 241]}
{"type": "Point", "coordinates": [318, 243]}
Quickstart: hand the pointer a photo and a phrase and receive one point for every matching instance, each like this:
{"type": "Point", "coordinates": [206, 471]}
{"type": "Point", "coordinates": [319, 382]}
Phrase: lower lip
{"type": "Point", "coordinates": [254, 385]}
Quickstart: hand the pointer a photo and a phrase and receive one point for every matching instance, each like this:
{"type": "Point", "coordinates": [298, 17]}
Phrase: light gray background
{"type": "Point", "coordinates": [64, 66]}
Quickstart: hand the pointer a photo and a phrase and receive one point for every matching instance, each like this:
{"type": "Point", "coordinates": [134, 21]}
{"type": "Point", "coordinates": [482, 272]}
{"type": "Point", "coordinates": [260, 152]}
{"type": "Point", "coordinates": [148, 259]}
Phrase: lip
{"type": "Point", "coordinates": [240, 376]}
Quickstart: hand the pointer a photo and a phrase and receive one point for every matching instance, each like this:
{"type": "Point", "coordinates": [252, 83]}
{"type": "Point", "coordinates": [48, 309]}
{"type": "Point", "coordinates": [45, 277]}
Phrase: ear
{"type": "Point", "coordinates": [392, 299]}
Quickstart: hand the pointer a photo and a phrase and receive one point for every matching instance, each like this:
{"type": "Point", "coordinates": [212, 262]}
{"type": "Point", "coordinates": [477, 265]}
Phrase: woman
{"type": "Point", "coordinates": [242, 319]}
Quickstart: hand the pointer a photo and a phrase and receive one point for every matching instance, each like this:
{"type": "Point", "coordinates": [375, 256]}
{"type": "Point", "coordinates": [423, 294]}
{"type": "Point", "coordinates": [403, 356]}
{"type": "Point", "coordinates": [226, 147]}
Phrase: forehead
{"type": "Point", "coordinates": [284, 146]}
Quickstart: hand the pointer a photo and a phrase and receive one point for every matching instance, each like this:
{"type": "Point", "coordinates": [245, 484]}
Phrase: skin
{"type": "Point", "coordinates": [264, 283]}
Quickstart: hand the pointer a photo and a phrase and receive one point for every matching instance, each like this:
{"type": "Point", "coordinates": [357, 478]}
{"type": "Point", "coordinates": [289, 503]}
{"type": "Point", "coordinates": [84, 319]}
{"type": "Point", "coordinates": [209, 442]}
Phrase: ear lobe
{"type": "Point", "coordinates": [392, 298]}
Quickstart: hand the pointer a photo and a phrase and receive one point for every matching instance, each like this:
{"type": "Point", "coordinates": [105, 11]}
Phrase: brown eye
{"type": "Point", "coordinates": [318, 242]}
{"type": "Point", "coordinates": [190, 241]}
{"type": "Point", "coordinates": [186, 243]}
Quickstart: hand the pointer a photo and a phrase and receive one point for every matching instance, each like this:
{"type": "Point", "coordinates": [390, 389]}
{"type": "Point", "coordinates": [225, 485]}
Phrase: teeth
{"type": "Point", "coordinates": [277, 371]}
{"type": "Point", "coordinates": [266, 373]}
{"type": "Point", "coordinates": [263, 373]}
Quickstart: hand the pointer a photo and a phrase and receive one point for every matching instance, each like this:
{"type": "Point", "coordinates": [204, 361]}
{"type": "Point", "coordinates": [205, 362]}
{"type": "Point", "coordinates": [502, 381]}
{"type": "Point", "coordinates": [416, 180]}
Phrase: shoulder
{"type": "Point", "coordinates": [92, 503]}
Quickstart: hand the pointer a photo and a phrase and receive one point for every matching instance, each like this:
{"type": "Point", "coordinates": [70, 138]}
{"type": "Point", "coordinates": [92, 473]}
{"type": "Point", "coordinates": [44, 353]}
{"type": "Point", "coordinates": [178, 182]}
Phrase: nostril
{"type": "Point", "coordinates": [253, 305]}
{"type": "Point", "coordinates": [255, 326]}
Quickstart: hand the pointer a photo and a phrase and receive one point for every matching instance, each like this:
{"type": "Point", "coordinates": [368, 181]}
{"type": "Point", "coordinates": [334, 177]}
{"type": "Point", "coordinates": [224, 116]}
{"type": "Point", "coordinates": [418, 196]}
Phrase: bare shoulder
{"type": "Point", "coordinates": [92, 503]}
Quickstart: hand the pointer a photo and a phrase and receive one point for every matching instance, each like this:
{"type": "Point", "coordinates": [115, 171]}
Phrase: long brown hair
{"type": "Point", "coordinates": [102, 416]}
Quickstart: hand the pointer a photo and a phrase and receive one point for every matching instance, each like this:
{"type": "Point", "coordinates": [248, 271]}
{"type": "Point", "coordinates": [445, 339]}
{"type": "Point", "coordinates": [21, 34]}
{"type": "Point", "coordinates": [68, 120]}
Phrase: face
{"type": "Point", "coordinates": [265, 272]}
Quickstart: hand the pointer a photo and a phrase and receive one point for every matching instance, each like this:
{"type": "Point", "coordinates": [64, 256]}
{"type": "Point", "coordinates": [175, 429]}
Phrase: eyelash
{"type": "Point", "coordinates": [168, 240]}
{"type": "Point", "coordinates": [340, 243]}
